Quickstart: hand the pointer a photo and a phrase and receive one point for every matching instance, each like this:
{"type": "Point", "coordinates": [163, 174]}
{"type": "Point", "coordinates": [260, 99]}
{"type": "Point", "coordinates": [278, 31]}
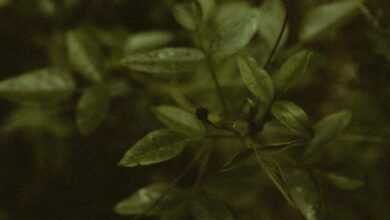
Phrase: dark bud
{"type": "Point", "coordinates": [202, 113]}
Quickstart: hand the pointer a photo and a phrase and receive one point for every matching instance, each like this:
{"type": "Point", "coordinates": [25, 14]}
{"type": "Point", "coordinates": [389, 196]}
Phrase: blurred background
{"type": "Point", "coordinates": [49, 171]}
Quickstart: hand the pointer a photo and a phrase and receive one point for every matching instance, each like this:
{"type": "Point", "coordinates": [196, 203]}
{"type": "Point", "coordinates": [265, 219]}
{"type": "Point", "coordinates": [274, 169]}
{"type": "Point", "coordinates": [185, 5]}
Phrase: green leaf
{"type": "Point", "coordinates": [35, 119]}
{"type": "Point", "coordinates": [155, 147]}
{"type": "Point", "coordinates": [92, 109]}
{"type": "Point", "coordinates": [275, 173]}
{"type": "Point", "coordinates": [84, 55]}
{"type": "Point", "coordinates": [292, 116]}
{"type": "Point", "coordinates": [271, 19]}
{"type": "Point", "coordinates": [187, 15]}
{"type": "Point", "coordinates": [256, 79]}
{"type": "Point", "coordinates": [291, 71]}
{"type": "Point", "coordinates": [343, 182]}
{"type": "Point", "coordinates": [167, 60]}
{"type": "Point", "coordinates": [148, 40]}
{"type": "Point", "coordinates": [327, 130]}
{"type": "Point", "coordinates": [45, 85]}
{"type": "Point", "coordinates": [234, 33]}
{"type": "Point", "coordinates": [304, 192]}
{"type": "Point", "coordinates": [149, 200]}
{"type": "Point", "coordinates": [208, 7]}
{"type": "Point", "coordinates": [180, 120]}
{"type": "Point", "coordinates": [327, 17]}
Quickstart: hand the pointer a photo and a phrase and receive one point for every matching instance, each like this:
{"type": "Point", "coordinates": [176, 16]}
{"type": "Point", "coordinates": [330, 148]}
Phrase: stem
{"type": "Point", "coordinates": [276, 45]}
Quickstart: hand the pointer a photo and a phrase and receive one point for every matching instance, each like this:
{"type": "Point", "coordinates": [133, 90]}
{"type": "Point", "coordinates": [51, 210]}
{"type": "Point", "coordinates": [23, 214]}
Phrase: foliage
{"type": "Point", "coordinates": [195, 109]}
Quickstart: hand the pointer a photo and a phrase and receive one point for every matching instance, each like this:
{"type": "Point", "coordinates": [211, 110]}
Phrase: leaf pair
{"type": "Point", "coordinates": [266, 88]}
{"type": "Point", "coordinates": [296, 120]}
{"type": "Point", "coordinates": [162, 145]}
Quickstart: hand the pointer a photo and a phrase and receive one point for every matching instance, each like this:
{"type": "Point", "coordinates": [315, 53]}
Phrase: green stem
{"type": "Point", "coordinates": [278, 41]}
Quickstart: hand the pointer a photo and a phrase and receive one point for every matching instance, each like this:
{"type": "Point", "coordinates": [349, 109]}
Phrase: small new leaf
{"type": "Point", "coordinates": [84, 55]}
{"type": "Point", "coordinates": [256, 79]}
{"type": "Point", "coordinates": [292, 116]}
{"type": "Point", "coordinates": [149, 200]}
{"type": "Point", "coordinates": [38, 85]}
{"type": "Point", "coordinates": [291, 71]}
{"type": "Point", "coordinates": [327, 17]}
{"type": "Point", "coordinates": [167, 60]}
{"type": "Point", "coordinates": [327, 130]}
{"type": "Point", "coordinates": [92, 109]}
{"type": "Point", "coordinates": [234, 33]}
{"type": "Point", "coordinates": [155, 147]}
{"type": "Point", "coordinates": [180, 120]}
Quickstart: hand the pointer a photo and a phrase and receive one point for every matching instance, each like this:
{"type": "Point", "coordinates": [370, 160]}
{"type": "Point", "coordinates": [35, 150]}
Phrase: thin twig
{"type": "Point", "coordinates": [278, 41]}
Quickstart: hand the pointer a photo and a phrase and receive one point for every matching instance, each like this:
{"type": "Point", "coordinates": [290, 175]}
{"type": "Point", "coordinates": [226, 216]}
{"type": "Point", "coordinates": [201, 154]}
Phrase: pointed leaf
{"type": "Point", "coordinates": [274, 172]}
{"type": "Point", "coordinates": [292, 116]}
{"type": "Point", "coordinates": [92, 109]}
{"type": "Point", "coordinates": [326, 17]}
{"type": "Point", "coordinates": [84, 55]}
{"type": "Point", "coordinates": [291, 71]}
{"type": "Point", "coordinates": [327, 130]}
{"type": "Point", "coordinates": [167, 60]}
{"type": "Point", "coordinates": [234, 33]}
{"type": "Point", "coordinates": [38, 85]}
{"type": "Point", "coordinates": [147, 40]}
{"type": "Point", "coordinates": [180, 120]}
{"type": "Point", "coordinates": [304, 192]}
{"type": "Point", "coordinates": [149, 200]}
{"type": "Point", "coordinates": [155, 147]}
{"type": "Point", "coordinates": [256, 79]}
